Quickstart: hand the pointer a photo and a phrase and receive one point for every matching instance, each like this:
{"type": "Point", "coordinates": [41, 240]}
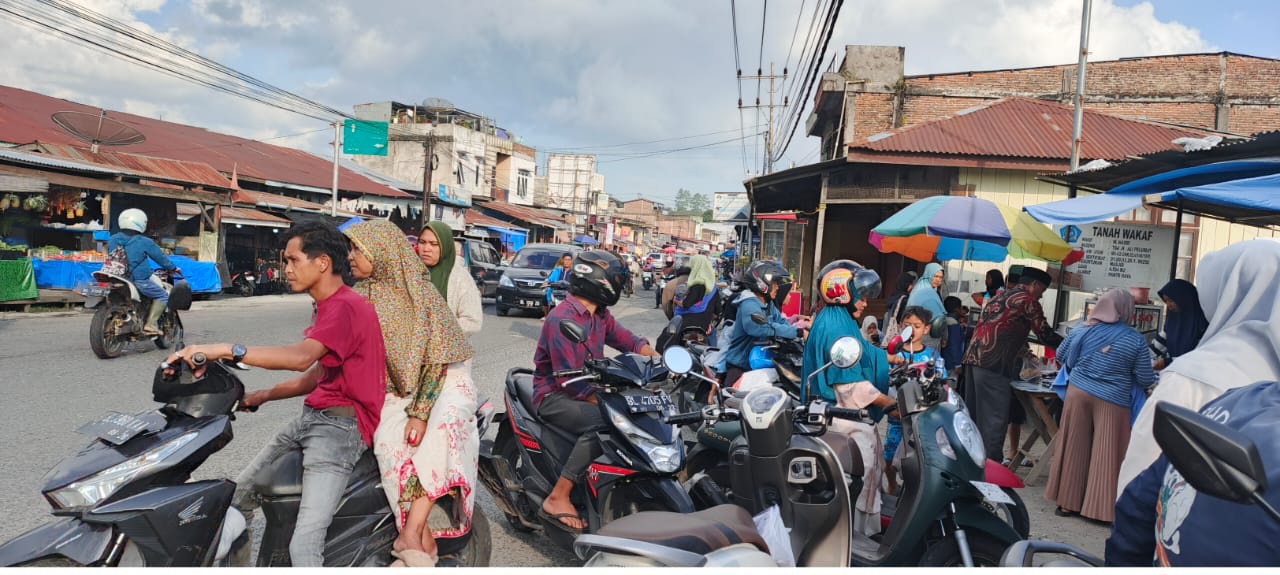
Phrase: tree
{"type": "Point", "coordinates": [689, 203]}
{"type": "Point", "coordinates": [707, 216]}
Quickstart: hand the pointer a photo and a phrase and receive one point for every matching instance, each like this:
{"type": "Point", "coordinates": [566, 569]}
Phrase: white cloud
{"type": "Point", "coordinates": [557, 72]}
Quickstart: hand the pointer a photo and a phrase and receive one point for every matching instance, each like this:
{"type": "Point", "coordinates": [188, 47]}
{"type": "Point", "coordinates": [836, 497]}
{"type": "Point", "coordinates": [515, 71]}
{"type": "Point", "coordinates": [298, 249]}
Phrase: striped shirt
{"type": "Point", "coordinates": [1121, 361]}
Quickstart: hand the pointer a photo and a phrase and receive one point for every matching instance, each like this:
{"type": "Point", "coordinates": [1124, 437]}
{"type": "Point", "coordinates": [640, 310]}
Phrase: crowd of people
{"type": "Point", "coordinates": [386, 364]}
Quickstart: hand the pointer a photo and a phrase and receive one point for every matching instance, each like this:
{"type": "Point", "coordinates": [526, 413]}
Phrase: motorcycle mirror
{"type": "Point", "coordinates": [180, 296]}
{"type": "Point", "coordinates": [759, 319]}
{"type": "Point", "coordinates": [846, 351]}
{"type": "Point", "coordinates": [1214, 459]}
{"type": "Point", "coordinates": [938, 327]}
{"type": "Point", "coordinates": [678, 360]}
{"type": "Point", "coordinates": [573, 331]}
{"type": "Point", "coordinates": [895, 344]}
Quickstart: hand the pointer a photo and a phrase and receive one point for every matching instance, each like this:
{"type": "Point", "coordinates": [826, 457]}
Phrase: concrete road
{"type": "Point", "coordinates": [52, 383]}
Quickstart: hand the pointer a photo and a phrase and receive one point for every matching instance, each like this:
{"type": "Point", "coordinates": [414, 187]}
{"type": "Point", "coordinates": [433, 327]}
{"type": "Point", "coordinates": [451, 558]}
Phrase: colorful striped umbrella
{"type": "Point", "coordinates": [944, 228]}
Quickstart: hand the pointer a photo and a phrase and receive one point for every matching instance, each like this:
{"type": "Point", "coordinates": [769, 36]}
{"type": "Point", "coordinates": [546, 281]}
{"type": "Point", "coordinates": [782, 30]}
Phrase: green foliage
{"type": "Point", "coordinates": [689, 203]}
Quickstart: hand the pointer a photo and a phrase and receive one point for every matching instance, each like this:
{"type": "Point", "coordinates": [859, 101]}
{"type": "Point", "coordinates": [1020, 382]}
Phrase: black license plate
{"type": "Point", "coordinates": [648, 403]}
{"type": "Point", "coordinates": [95, 291]}
{"type": "Point", "coordinates": [117, 428]}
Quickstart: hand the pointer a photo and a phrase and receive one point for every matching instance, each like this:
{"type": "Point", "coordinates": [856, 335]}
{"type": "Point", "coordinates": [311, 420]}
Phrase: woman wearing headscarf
{"type": "Point", "coordinates": [925, 292]}
{"type": "Point", "coordinates": [450, 276]}
{"type": "Point", "coordinates": [1184, 323]}
{"type": "Point", "coordinates": [845, 288]}
{"type": "Point", "coordinates": [897, 303]}
{"type": "Point", "coordinates": [426, 441]}
{"type": "Point", "coordinates": [871, 330]}
{"type": "Point", "coordinates": [697, 300]}
{"type": "Point", "coordinates": [1239, 290]}
{"type": "Point", "coordinates": [1109, 367]}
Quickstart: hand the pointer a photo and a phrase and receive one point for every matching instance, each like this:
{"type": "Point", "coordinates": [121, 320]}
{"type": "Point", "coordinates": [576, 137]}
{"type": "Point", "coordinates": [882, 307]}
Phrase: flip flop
{"type": "Point", "coordinates": [413, 558]}
{"type": "Point", "coordinates": [556, 520]}
{"type": "Point", "coordinates": [1060, 512]}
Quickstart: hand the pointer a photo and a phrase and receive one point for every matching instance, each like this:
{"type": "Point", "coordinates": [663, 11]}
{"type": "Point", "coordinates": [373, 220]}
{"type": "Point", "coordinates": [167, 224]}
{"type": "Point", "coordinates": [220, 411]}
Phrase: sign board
{"type": "Point", "coordinates": [458, 196]}
{"type": "Point", "coordinates": [1118, 255]}
{"type": "Point", "coordinates": [361, 138]}
{"type": "Point", "coordinates": [725, 206]}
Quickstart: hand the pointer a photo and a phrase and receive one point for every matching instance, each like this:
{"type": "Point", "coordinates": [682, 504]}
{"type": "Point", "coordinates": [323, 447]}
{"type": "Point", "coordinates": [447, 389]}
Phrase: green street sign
{"type": "Point", "coordinates": [361, 138]}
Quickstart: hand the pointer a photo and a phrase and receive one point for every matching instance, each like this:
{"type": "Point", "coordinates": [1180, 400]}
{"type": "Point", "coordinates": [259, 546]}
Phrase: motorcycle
{"type": "Point", "coordinates": [126, 500]}
{"type": "Point", "coordinates": [637, 470]}
{"type": "Point", "coordinates": [122, 311]}
{"type": "Point", "coordinates": [243, 283]}
{"type": "Point", "coordinates": [1214, 459]}
{"type": "Point", "coordinates": [559, 292]}
{"type": "Point", "coordinates": [647, 280]}
{"type": "Point", "coordinates": [780, 461]}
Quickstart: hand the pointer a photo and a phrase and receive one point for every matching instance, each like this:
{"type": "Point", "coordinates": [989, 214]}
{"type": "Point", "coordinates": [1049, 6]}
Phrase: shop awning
{"type": "Point", "coordinates": [251, 217]}
{"type": "Point", "coordinates": [1155, 189]}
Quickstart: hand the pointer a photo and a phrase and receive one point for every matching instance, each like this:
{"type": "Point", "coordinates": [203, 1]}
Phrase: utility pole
{"type": "Point", "coordinates": [1077, 137]}
{"type": "Point", "coordinates": [429, 142]}
{"type": "Point", "coordinates": [768, 138]}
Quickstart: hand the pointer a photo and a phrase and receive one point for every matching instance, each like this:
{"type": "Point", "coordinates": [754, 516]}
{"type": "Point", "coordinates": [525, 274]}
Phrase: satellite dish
{"type": "Point", "coordinates": [437, 103]}
{"type": "Point", "coordinates": [98, 129]}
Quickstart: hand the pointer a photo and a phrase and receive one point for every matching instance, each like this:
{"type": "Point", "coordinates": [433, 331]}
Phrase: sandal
{"type": "Point", "coordinates": [557, 519]}
{"type": "Point", "coordinates": [1060, 512]}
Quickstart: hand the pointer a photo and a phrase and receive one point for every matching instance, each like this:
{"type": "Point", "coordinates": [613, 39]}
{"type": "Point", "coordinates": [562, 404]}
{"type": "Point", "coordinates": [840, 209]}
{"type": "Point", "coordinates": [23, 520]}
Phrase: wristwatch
{"type": "Point", "coordinates": [237, 352]}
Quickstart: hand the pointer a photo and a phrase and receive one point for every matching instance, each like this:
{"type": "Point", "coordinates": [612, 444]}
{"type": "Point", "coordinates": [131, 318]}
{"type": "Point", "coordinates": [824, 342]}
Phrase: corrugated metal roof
{"type": "Point", "coordinates": [525, 214]}
{"type": "Point", "coordinates": [1025, 128]}
{"type": "Point", "coordinates": [163, 169]}
{"type": "Point", "coordinates": [475, 218]}
{"type": "Point", "coordinates": [277, 202]}
{"type": "Point", "coordinates": [25, 119]}
{"type": "Point", "coordinates": [45, 160]}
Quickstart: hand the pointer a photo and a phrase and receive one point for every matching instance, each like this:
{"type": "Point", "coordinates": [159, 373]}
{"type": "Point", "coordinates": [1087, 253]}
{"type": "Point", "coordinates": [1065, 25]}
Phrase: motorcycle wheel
{"type": "Point", "coordinates": [244, 288]}
{"type": "Point", "coordinates": [104, 345]}
{"type": "Point", "coordinates": [1015, 515]}
{"type": "Point", "coordinates": [479, 548]}
{"type": "Point", "coordinates": [986, 552]}
{"type": "Point", "coordinates": [171, 328]}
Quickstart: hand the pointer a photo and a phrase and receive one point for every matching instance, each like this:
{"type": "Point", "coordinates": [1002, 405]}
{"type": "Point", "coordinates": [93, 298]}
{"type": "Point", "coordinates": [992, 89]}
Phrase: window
{"type": "Point", "coordinates": [490, 254]}
{"type": "Point", "coordinates": [1186, 255]}
{"type": "Point", "coordinates": [1171, 217]}
{"type": "Point", "coordinates": [522, 183]}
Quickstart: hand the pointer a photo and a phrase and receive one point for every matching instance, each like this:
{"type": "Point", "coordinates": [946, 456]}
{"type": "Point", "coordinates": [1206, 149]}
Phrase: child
{"type": "Point", "coordinates": [912, 352]}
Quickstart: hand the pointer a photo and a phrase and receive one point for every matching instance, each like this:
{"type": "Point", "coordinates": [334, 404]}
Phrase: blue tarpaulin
{"type": "Point", "coordinates": [69, 275]}
{"type": "Point", "coordinates": [1130, 196]}
{"type": "Point", "coordinates": [513, 240]}
{"type": "Point", "coordinates": [1261, 194]}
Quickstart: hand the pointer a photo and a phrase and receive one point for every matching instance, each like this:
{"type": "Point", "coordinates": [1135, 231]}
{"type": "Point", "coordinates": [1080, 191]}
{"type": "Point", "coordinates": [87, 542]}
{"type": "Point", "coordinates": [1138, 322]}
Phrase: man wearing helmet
{"type": "Point", "coordinates": [845, 288]}
{"type": "Point", "coordinates": [770, 283]}
{"type": "Point", "coordinates": [595, 283]}
{"type": "Point", "coordinates": [133, 223]}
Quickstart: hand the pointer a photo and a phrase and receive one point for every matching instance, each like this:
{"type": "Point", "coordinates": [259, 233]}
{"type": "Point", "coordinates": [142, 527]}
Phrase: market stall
{"type": "Point", "coordinates": [65, 272]}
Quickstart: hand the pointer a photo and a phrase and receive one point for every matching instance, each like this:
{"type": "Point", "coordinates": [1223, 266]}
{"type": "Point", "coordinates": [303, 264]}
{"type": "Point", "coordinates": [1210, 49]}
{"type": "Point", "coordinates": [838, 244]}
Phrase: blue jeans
{"type": "Point", "coordinates": [330, 448]}
{"type": "Point", "coordinates": [152, 289]}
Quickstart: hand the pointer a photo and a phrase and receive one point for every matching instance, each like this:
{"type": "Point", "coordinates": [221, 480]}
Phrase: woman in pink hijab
{"type": "Point", "coordinates": [1109, 366]}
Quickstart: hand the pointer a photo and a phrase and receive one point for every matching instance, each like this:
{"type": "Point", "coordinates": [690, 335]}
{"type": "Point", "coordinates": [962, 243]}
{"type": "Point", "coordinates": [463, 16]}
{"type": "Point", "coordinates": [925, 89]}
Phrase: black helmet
{"type": "Point", "coordinates": [598, 276]}
{"type": "Point", "coordinates": [840, 280]}
{"type": "Point", "coordinates": [762, 276]}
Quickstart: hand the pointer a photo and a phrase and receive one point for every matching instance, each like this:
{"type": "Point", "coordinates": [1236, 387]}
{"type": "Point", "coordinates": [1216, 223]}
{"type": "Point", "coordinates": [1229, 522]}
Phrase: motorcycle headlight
{"type": "Point", "coordinates": [506, 282]}
{"type": "Point", "coordinates": [665, 458]}
{"type": "Point", "coordinates": [967, 431]}
{"type": "Point", "coordinates": [99, 486]}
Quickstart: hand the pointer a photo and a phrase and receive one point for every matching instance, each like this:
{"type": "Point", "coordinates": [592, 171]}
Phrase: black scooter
{"type": "Point", "coordinates": [642, 453]}
{"type": "Point", "coordinates": [127, 500]}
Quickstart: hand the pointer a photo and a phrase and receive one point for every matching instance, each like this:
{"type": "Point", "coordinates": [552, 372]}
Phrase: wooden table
{"type": "Point", "coordinates": [1038, 401]}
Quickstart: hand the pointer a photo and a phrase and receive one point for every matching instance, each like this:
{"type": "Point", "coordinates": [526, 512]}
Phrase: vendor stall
{"type": "Point", "coordinates": [73, 274]}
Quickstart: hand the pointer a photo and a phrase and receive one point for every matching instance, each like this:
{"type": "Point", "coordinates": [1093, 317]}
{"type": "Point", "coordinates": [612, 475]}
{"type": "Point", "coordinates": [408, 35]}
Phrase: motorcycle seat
{"type": "Point", "coordinates": [523, 384]}
{"type": "Point", "coordinates": [700, 532]}
{"type": "Point", "coordinates": [283, 477]}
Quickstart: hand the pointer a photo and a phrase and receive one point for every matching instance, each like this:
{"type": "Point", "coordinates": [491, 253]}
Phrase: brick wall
{"type": "Point", "coordinates": [1178, 89]}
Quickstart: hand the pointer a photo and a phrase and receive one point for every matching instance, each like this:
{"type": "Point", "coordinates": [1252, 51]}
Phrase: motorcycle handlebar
{"type": "Point", "coordinates": [685, 418]}
{"type": "Point", "coordinates": [845, 413]}
{"type": "Point", "coordinates": [569, 373]}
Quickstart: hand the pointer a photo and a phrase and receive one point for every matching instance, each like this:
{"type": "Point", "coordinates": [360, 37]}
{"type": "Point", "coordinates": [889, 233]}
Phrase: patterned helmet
{"type": "Point", "coordinates": [844, 282]}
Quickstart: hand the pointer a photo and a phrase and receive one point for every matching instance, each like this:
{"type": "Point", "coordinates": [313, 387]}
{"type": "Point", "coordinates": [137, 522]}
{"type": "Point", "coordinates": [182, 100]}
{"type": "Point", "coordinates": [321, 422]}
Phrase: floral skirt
{"type": "Point", "coordinates": [443, 463]}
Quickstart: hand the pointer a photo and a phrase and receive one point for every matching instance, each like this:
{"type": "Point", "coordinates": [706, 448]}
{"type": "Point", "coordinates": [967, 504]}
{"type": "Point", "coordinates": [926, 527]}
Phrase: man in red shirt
{"type": "Point", "coordinates": [344, 378]}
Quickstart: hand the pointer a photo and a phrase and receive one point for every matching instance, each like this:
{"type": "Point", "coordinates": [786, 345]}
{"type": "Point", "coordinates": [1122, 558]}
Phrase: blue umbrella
{"type": "Point", "coordinates": [585, 240]}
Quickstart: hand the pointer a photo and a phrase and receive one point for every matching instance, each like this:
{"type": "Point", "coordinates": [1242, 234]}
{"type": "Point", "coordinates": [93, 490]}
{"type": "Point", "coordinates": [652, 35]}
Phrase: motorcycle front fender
{"type": "Point", "coordinates": [971, 515]}
{"type": "Point", "coordinates": [69, 537]}
{"type": "Point", "coordinates": [1002, 476]}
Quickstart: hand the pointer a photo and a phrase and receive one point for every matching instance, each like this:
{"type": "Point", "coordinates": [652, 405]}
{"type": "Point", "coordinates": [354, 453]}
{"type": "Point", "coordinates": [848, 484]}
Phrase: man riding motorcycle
{"type": "Point", "coordinates": [138, 248]}
{"type": "Point", "coordinates": [770, 283]}
{"type": "Point", "coordinates": [595, 283]}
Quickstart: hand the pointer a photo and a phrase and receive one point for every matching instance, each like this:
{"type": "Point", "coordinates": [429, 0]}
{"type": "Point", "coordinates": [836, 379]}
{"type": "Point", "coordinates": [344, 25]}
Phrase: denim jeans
{"type": "Point", "coordinates": [152, 289]}
{"type": "Point", "coordinates": [330, 448]}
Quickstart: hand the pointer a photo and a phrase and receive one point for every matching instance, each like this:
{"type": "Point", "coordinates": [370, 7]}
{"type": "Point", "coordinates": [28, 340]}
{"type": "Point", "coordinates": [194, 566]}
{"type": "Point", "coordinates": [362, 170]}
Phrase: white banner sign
{"type": "Point", "coordinates": [1119, 255]}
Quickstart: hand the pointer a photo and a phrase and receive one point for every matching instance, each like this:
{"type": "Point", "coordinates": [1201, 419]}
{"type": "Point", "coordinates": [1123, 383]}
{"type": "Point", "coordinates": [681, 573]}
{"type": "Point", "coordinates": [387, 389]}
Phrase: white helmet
{"type": "Point", "coordinates": [133, 219]}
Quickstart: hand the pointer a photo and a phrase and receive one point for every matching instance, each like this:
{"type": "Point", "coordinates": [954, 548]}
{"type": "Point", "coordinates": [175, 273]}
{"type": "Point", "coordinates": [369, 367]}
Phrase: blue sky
{"type": "Point", "coordinates": [589, 75]}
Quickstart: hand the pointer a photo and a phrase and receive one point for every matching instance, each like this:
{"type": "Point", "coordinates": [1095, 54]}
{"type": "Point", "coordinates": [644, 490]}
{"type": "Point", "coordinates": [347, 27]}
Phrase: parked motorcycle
{"type": "Point", "coordinates": [642, 453]}
{"type": "Point", "coordinates": [122, 311]}
{"type": "Point", "coordinates": [1214, 459]}
{"type": "Point", "coordinates": [126, 500]}
{"type": "Point", "coordinates": [243, 283]}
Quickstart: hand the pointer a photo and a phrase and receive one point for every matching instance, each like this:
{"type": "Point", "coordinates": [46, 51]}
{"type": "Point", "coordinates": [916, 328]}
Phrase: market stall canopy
{"type": "Point", "coordinates": [1130, 196]}
{"type": "Point", "coordinates": [946, 228]}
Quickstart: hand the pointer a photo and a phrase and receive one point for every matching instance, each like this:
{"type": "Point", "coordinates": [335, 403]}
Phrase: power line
{"type": "Point", "coordinates": [603, 146]}
{"type": "Point", "coordinates": [826, 41]}
{"type": "Point", "coordinates": [259, 141]}
{"type": "Point", "coordinates": [792, 45]}
{"type": "Point", "coordinates": [737, 63]}
{"type": "Point", "coordinates": [677, 150]}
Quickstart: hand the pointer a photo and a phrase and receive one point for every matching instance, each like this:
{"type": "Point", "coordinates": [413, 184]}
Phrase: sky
{"type": "Point", "coordinates": [590, 77]}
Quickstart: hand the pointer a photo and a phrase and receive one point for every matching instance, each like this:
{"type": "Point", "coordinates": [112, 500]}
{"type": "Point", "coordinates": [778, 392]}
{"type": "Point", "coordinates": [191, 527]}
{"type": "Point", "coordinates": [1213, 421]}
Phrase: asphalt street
{"type": "Point", "coordinates": [52, 383]}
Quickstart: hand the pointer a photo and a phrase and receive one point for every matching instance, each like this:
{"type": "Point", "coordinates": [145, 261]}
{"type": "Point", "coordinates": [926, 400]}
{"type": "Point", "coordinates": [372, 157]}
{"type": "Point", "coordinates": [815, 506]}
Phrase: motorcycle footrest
{"type": "Point", "coordinates": [506, 474]}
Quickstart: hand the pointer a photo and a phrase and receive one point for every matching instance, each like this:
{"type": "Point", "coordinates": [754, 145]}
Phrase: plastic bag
{"type": "Point", "coordinates": [776, 535]}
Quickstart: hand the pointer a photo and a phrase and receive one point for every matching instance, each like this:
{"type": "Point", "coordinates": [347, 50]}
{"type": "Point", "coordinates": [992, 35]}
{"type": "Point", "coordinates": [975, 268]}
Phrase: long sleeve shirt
{"type": "Point", "coordinates": [556, 353]}
{"type": "Point", "coordinates": [139, 247]}
{"type": "Point", "coordinates": [1002, 331]}
{"type": "Point", "coordinates": [1107, 361]}
{"type": "Point", "coordinates": [464, 299]}
{"type": "Point", "coordinates": [746, 332]}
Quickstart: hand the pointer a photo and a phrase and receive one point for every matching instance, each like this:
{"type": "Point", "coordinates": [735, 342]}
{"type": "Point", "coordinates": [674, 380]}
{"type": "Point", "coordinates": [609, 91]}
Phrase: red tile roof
{"type": "Point", "coordinates": [1025, 128]}
{"type": "Point", "coordinates": [25, 119]}
{"type": "Point", "coordinates": [162, 169]}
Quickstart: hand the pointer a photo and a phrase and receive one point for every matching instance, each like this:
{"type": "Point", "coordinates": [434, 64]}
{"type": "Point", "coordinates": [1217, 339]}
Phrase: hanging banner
{"type": "Point", "coordinates": [1118, 255]}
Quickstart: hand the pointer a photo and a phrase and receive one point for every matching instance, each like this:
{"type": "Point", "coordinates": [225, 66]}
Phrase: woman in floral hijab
{"type": "Point", "coordinates": [426, 441]}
